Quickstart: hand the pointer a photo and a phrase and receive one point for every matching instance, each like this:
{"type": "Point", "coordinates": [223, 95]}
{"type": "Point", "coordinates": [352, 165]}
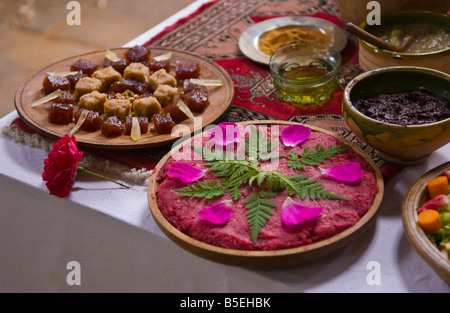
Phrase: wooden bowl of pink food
{"type": "Point", "coordinates": [256, 258]}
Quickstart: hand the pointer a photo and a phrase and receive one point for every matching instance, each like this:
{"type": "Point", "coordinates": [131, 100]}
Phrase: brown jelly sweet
{"type": "Point", "coordinates": [60, 113]}
{"type": "Point", "coordinates": [55, 82]}
{"type": "Point", "coordinates": [112, 127]}
{"type": "Point", "coordinates": [65, 97]}
{"type": "Point", "coordinates": [187, 69]}
{"type": "Point", "coordinates": [188, 86]}
{"type": "Point", "coordinates": [85, 66]}
{"type": "Point", "coordinates": [137, 54]}
{"type": "Point", "coordinates": [154, 65]}
{"type": "Point", "coordinates": [196, 100]}
{"type": "Point", "coordinates": [119, 65]}
{"type": "Point", "coordinates": [73, 79]}
{"type": "Point", "coordinates": [143, 124]}
{"type": "Point", "coordinates": [93, 121]}
{"type": "Point", "coordinates": [163, 123]}
{"type": "Point", "coordinates": [175, 112]}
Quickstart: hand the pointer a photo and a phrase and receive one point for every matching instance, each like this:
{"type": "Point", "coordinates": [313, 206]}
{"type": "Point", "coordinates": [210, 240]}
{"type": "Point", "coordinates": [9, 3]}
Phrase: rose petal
{"type": "Point", "coordinates": [60, 183]}
{"type": "Point", "coordinates": [294, 135]}
{"type": "Point", "coordinates": [349, 172]}
{"type": "Point", "coordinates": [224, 133]}
{"type": "Point", "coordinates": [217, 214]}
{"type": "Point", "coordinates": [185, 172]}
{"type": "Point", "coordinates": [293, 213]}
{"type": "Point", "coordinates": [61, 166]}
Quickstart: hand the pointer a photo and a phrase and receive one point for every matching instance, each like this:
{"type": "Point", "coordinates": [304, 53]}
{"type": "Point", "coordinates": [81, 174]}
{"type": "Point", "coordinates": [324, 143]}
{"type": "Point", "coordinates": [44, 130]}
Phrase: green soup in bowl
{"type": "Point", "coordinates": [430, 47]}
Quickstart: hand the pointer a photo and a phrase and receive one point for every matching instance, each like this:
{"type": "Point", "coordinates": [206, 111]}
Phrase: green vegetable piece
{"type": "Point", "coordinates": [259, 211]}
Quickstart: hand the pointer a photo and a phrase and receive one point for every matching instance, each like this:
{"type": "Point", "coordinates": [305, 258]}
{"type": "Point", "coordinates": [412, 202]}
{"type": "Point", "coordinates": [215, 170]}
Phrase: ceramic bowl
{"type": "Point", "coordinates": [356, 11]}
{"type": "Point", "coordinates": [406, 145]}
{"type": "Point", "coordinates": [415, 198]}
{"type": "Point", "coordinates": [371, 57]}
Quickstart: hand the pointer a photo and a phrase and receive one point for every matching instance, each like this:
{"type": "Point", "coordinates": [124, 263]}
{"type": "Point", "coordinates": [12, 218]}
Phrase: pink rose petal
{"type": "Point", "coordinates": [294, 135]}
{"type": "Point", "coordinates": [185, 172]}
{"type": "Point", "coordinates": [217, 214]}
{"type": "Point", "coordinates": [293, 213]}
{"type": "Point", "coordinates": [224, 133]}
{"type": "Point", "coordinates": [349, 172]}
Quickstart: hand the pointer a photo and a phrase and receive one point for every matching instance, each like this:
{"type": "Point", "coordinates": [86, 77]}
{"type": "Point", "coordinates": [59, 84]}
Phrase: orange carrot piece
{"type": "Point", "coordinates": [430, 221]}
{"type": "Point", "coordinates": [438, 186]}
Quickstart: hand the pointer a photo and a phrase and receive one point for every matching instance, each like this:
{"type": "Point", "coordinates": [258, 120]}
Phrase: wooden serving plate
{"type": "Point", "coordinates": [274, 257]}
{"type": "Point", "coordinates": [36, 117]}
{"type": "Point", "coordinates": [415, 198]}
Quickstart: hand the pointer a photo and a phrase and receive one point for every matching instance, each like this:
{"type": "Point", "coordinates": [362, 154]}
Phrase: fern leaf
{"type": "Point", "coordinates": [325, 194]}
{"type": "Point", "coordinates": [258, 147]}
{"type": "Point", "coordinates": [259, 211]}
{"type": "Point", "coordinates": [208, 190]}
{"type": "Point", "coordinates": [209, 155]}
{"type": "Point", "coordinates": [313, 189]}
{"type": "Point", "coordinates": [236, 193]}
{"type": "Point", "coordinates": [314, 157]}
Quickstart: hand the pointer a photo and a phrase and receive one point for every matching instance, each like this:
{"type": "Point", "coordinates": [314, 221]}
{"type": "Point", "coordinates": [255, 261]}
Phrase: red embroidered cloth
{"type": "Point", "coordinates": [213, 32]}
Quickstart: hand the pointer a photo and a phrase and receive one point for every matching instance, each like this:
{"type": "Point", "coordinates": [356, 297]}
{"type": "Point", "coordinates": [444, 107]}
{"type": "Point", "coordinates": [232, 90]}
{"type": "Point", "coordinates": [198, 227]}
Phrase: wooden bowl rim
{"type": "Point", "coordinates": [417, 237]}
{"type": "Point", "coordinates": [223, 99]}
{"type": "Point", "coordinates": [271, 257]}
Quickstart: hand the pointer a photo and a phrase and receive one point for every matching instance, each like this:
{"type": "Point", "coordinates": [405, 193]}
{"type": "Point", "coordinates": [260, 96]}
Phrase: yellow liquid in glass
{"type": "Point", "coordinates": [307, 84]}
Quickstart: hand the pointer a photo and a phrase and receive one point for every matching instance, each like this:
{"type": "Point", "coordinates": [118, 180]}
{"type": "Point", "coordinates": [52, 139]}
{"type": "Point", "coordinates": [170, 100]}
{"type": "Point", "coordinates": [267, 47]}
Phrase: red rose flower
{"type": "Point", "coordinates": [61, 166]}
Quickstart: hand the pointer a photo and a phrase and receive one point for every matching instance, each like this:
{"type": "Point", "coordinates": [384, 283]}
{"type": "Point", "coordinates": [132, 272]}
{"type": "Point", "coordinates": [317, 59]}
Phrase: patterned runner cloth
{"type": "Point", "coordinates": [213, 32]}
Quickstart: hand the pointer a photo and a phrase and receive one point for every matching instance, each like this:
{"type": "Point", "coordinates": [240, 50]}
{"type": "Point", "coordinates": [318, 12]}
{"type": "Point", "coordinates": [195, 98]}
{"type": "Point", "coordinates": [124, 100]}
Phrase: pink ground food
{"type": "Point", "coordinates": [181, 211]}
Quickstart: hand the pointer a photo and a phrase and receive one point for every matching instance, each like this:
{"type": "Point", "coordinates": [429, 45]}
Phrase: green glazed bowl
{"type": "Point", "coordinates": [406, 145]}
{"type": "Point", "coordinates": [371, 57]}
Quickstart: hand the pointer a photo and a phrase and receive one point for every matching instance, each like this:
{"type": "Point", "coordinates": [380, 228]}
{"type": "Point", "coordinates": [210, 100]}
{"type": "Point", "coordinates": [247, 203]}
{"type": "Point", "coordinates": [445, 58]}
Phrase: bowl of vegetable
{"type": "Point", "coordinates": [426, 218]}
{"type": "Point", "coordinates": [429, 47]}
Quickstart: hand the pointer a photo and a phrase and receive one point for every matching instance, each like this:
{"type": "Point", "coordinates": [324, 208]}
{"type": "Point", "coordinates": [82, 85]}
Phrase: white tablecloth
{"type": "Point", "coordinates": [110, 232]}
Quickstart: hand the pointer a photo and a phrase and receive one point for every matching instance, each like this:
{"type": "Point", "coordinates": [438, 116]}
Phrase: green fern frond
{"type": "Point", "coordinates": [235, 172]}
{"type": "Point", "coordinates": [208, 190]}
{"type": "Point", "coordinates": [259, 211]}
{"type": "Point", "coordinates": [257, 147]}
{"type": "Point", "coordinates": [313, 157]}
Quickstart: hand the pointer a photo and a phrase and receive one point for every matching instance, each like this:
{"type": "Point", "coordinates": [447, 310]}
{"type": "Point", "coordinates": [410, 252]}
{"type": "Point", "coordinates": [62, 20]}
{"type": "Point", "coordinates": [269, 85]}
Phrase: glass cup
{"type": "Point", "coordinates": [305, 73]}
